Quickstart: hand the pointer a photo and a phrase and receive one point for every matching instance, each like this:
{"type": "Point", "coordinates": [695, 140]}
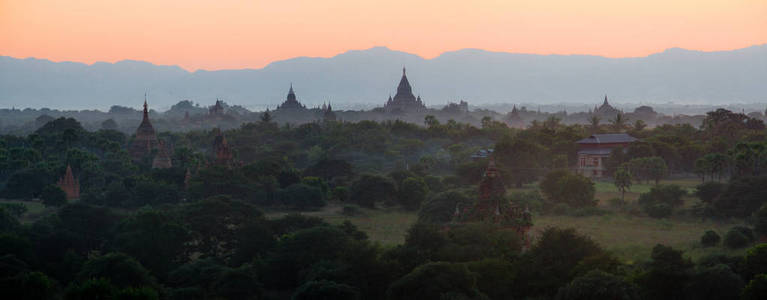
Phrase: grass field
{"type": "Point", "coordinates": [35, 210]}
{"type": "Point", "coordinates": [630, 238]}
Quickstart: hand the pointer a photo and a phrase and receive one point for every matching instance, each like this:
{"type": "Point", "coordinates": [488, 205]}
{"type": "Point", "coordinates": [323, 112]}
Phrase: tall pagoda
{"type": "Point", "coordinates": [404, 100]}
{"type": "Point", "coordinates": [145, 144]}
{"type": "Point", "coordinates": [69, 184]}
{"type": "Point", "coordinates": [291, 103]}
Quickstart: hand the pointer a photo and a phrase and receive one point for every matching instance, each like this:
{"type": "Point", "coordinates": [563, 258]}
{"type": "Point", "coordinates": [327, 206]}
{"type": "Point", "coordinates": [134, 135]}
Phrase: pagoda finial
{"type": "Point", "coordinates": [605, 99]}
{"type": "Point", "coordinates": [146, 110]}
{"type": "Point", "coordinates": [403, 70]}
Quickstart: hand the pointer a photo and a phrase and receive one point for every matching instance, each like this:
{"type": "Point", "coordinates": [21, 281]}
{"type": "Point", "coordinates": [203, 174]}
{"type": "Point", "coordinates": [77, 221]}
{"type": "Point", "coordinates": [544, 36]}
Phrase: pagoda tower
{"type": "Point", "coordinates": [69, 184]}
{"type": "Point", "coordinates": [145, 140]}
{"type": "Point", "coordinates": [291, 103]}
{"type": "Point", "coordinates": [404, 100]}
{"type": "Point", "coordinates": [223, 155]}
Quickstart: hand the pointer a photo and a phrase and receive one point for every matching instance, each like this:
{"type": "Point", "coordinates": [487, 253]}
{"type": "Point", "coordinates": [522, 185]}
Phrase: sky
{"type": "Point", "coordinates": [235, 34]}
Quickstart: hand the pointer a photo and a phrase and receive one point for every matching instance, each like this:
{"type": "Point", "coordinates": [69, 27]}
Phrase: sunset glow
{"type": "Point", "coordinates": [227, 34]}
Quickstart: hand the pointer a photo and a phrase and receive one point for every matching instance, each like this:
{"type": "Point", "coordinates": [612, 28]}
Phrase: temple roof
{"type": "Point", "coordinates": [404, 89]}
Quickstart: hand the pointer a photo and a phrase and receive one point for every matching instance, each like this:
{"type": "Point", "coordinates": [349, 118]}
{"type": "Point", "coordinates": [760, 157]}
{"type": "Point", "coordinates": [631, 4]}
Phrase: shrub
{"type": "Point", "coordinates": [756, 289]}
{"type": "Point", "coordinates": [710, 239]}
{"type": "Point", "coordinates": [301, 196]}
{"type": "Point", "coordinates": [735, 239]}
{"type": "Point", "coordinates": [14, 209]}
{"type": "Point", "coordinates": [371, 189]}
{"type": "Point", "coordinates": [562, 186]}
{"type": "Point", "coordinates": [658, 210]}
{"type": "Point", "coordinates": [340, 193]}
{"type": "Point", "coordinates": [351, 210]}
{"type": "Point", "coordinates": [412, 192]}
{"type": "Point", "coordinates": [52, 195]}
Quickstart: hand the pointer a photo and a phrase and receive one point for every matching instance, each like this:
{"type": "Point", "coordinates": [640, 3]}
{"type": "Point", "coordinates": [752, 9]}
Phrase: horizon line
{"type": "Point", "coordinates": [377, 47]}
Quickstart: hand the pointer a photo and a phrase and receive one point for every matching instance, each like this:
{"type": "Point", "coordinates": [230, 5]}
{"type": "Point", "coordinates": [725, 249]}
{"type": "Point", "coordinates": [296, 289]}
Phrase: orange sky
{"type": "Point", "coordinates": [227, 34]}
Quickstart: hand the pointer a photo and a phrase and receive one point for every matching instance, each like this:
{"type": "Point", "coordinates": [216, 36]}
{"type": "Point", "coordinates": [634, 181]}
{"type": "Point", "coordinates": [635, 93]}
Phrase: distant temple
{"type": "Point", "coordinates": [404, 100]}
{"type": "Point", "coordinates": [217, 109]}
{"type": "Point", "coordinates": [146, 145]}
{"type": "Point", "coordinates": [327, 113]}
{"type": "Point", "coordinates": [461, 107]}
{"type": "Point", "coordinates": [515, 120]}
{"type": "Point", "coordinates": [222, 153]}
{"type": "Point", "coordinates": [595, 149]}
{"type": "Point", "coordinates": [291, 103]}
{"type": "Point", "coordinates": [492, 206]}
{"type": "Point", "coordinates": [69, 184]}
{"type": "Point", "coordinates": [606, 109]}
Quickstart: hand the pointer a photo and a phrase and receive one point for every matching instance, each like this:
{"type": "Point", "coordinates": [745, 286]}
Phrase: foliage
{"type": "Point", "coordinates": [647, 168]}
{"type": "Point", "coordinates": [756, 288]}
{"type": "Point", "coordinates": [371, 189]}
{"type": "Point", "coordinates": [435, 281]}
{"type": "Point", "coordinates": [52, 195]}
{"type": "Point", "coordinates": [301, 197]}
{"type": "Point", "coordinates": [661, 199]}
{"type": "Point", "coordinates": [738, 237]}
{"type": "Point", "coordinates": [717, 282]}
{"type": "Point", "coordinates": [440, 207]}
{"type": "Point", "coordinates": [710, 239]}
{"type": "Point", "coordinates": [412, 192]}
{"type": "Point", "coordinates": [597, 284]}
{"type": "Point", "coordinates": [665, 274]}
{"type": "Point", "coordinates": [325, 289]}
{"type": "Point", "coordinates": [561, 186]}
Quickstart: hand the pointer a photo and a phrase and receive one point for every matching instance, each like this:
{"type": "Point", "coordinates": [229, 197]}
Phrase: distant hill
{"type": "Point", "coordinates": [367, 77]}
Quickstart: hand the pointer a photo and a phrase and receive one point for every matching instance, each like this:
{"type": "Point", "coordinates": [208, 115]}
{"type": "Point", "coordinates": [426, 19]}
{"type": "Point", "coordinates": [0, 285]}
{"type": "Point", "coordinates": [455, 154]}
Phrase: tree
{"type": "Point", "coordinates": [439, 208]}
{"type": "Point", "coordinates": [756, 289]}
{"type": "Point", "coordinates": [717, 282]}
{"type": "Point", "coordinates": [598, 284]}
{"type": "Point", "coordinates": [155, 238]}
{"type": "Point", "coordinates": [556, 259]}
{"type": "Point", "coordinates": [622, 182]}
{"type": "Point", "coordinates": [52, 195]}
{"type": "Point", "coordinates": [325, 289]}
{"type": "Point", "coordinates": [437, 280]}
{"type": "Point", "coordinates": [661, 200]}
{"type": "Point", "coordinates": [121, 270]}
{"type": "Point", "coordinates": [519, 159]}
{"type": "Point", "coordinates": [648, 168]}
{"type": "Point", "coordinates": [710, 239]}
{"type": "Point", "coordinates": [760, 220]}
{"type": "Point", "coordinates": [562, 186]}
{"type": "Point", "coordinates": [618, 124]}
{"type": "Point", "coordinates": [742, 197]}
{"type": "Point", "coordinates": [756, 260]}
{"type": "Point", "coordinates": [29, 285]}
{"type": "Point", "coordinates": [666, 274]}
{"type": "Point", "coordinates": [370, 189]}
{"type": "Point", "coordinates": [737, 238]}
{"type": "Point", "coordinates": [412, 192]}
{"type": "Point", "coordinates": [594, 124]}
{"type": "Point", "coordinates": [109, 124]}
{"type": "Point", "coordinates": [215, 221]}
{"type": "Point", "coordinates": [301, 197]}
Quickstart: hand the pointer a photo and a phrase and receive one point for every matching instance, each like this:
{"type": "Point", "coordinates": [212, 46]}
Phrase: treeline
{"type": "Point", "coordinates": [220, 248]}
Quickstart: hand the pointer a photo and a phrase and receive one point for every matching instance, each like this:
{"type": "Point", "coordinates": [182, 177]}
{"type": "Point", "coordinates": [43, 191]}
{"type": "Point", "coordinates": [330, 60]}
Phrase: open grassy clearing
{"type": "Point", "coordinates": [35, 210]}
{"type": "Point", "coordinates": [630, 238]}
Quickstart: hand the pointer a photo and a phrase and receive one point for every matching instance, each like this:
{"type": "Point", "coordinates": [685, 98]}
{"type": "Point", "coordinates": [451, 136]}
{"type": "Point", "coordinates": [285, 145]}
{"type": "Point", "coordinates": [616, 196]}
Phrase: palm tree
{"type": "Point", "coordinates": [619, 123]}
{"type": "Point", "coordinates": [594, 123]}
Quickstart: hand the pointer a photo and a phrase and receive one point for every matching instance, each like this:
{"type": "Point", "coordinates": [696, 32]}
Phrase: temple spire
{"type": "Point", "coordinates": [146, 110]}
{"type": "Point", "coordinates": [403, 70]}
{"type": "Point", "coordinates": [605, 100]}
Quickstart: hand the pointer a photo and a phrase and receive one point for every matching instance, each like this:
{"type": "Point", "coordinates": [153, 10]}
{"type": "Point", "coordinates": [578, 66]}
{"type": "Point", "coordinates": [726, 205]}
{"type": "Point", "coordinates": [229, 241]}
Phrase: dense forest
{"type": "Point", "coordinates": [244, 228]}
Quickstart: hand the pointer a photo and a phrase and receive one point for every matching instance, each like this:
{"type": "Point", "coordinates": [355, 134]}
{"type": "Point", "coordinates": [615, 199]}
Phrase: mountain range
{"type": "Point", "coordinates": [365, 78]}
